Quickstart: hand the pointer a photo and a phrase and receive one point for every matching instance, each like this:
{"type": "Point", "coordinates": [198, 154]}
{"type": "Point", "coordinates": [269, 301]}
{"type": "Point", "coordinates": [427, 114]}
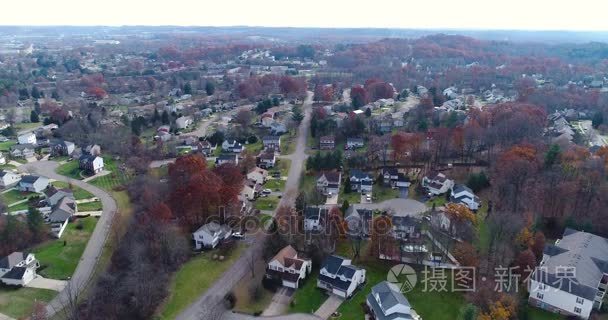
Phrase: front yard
{"type": "Point", "coordinates": [79, 193]}
{"type": "Point", "coordinates": [381, 193]}
{"type": "Point", "coordinates": [13, 196]}
{"type": "Point", "coordinates": [19, 303]}
{"type": "Point", "coordinates": [70, 169]}
{"type": "Point", "coordinates": [266, 203]}
{"type": "Point", "coordinates": [194, 278]}
{"type": "Point", "coordinates": [90, 206]}
{"type": "Point", "coordinates": [275, 184]}
{"type": "Point", "coordinates": [308, 298]}
{"type": "Point", "coordinates": [59, 258]}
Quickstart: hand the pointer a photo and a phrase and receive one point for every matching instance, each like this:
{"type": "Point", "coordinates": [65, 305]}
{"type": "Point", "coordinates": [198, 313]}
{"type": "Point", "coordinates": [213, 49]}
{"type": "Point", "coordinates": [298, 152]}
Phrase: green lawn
{"type": "Point", "coordinates": [283, 166]}
{"type": "Point", "coordinates": [352, 197]}
{"type": "Point", "coordinates": [308, 298]}
{"type": "Point", "coordinates": [19, 303]}
{"type": "Point", "coordinates": [274, 184]}
{"type": "Point", "coordinates": [539, 314]}
{"type": "Point", "coordinates": [288, 144]}
{"type": "Point", "coordinates": [438, 201]}
{"type": "Point", "coordinates": [79, 193]}
{"type": "Point", "coordinates": [483, 232]}
{"type": "Point", "coordinates": [381, 193]}
{"type": "Point", "coordinates": [70, 169]}
{"type": "Point", "coordinates": [7, 166]}
{"type": "Point", "coordinates": [193, 279]}
{"type": "Point", "coordinates": [429, 305]}
{"type": "Point", "coordinates": [19, 207]}
{"type": "Point", "coordinates": [6, 145]}
{"type": "Point", "coordinates": [114, 179]}
{"type": "Point", "coordinates": [267, 203]}
{"type": "Point", "coordinates": [90, 206]}
{"type": "Point", "coordinates": [26, 125]}
{"type": "Point", "coordinates": [255, 147]}
{"type": "Point", "coordinates": [59, 261]}
{"type": "Point", "coordinates": [14, 196]}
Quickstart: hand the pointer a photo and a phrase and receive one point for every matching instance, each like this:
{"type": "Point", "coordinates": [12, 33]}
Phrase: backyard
{"type": "Point", "coordinates": [59, 257]}
{"type": "Point", "coordinates": [18, 303]}
{"type": "Point", "coordinates": [190, 281]}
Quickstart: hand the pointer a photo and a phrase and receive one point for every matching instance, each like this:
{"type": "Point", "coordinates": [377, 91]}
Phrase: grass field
{"type": "Point", "coordinates": [308, 297]}
{"type": "Point", "coordinates": [267, 203]}
{"type": "Point", "coordinates": [59, 261]}
{"type": "Point", "coordinates": [19, 303]}
{"type": "Point", "coordinates": [275, 184]}
{"type": "Point", "coordinates": [79, 193]}
{"type": "Point", "coordinates": [26, 125]}
{"type": "Point", "coordinates": [70, 169]}
{"type": "Point", "coordinates": [14, 195]}
{"type": "Point", "coordinates": [90, 206]}
{"type": "Point", "coordinates": [193, 279]}
{"type": "Point", "coordinates": [283, 166]}
{"type": "Point", "coordinates": [6, 145]}
{"type": "Point", "coordinates": [381, 193]}
{"type": "Point", "coordinates": [19, 207]}
{"type": "Point", "coordinates": [112, 180]}
{"type": "Point", "coordinates": [288, 144]}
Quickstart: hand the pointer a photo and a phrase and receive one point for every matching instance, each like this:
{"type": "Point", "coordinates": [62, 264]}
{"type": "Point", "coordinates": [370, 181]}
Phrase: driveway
{"type": "Point", "coordinates": [294, 316]}
{"type": "Point", "coordinates": [208, 302]}
{"type": "Point", "coordinates": [329, 306]}
{"type": "Point", "coordinates": [41, 282]}
{"type": "Point", "coordinates": [280, 302]}
{"type": "Point", "coordinates": [332, 200]}
{"type": "Point", "coordinates": [401, 207]}
{"type": "Point", "coordinates": [404, 193]}
{"type": "Point", "coordinates": [94, 247]}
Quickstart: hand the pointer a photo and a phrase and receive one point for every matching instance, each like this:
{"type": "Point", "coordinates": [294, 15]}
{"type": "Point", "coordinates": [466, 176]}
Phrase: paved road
{"type": "Point", "coordinates": [401, 207]}
{"type": "Point", "coordinates": [94, 247]}
{"type": "Point", "coordinates": [207, 303]}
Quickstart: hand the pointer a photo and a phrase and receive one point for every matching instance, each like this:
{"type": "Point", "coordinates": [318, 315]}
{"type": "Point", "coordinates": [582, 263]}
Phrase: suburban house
{"type": "Point", "coordinates": [63, 148]}
{"type": "Point", "coordinates": [227, 159]}
{"type": "Point", "coordinates": [18, 268]}
{"type": "Point", "coordinates": [405, 227]}
{"type": "Point", "coordinates": [329, 182]}
{"type": "Point", "coordinates": [327, 143]}
{"type": "Point", "coordinates": [258, 175]}
{"type": "Point", "coordinates": [248, 192]}
{"type": "Point", "coordinates": [210, 235]}
{"type": "Point", "coordinates": [31, 183]}
{"type": "Point", "coordinates": [395, 179]}
{"type": "Point", "coordinates": [91, 164]}
{"type": "Point", "coordinates": [272, 143]}
{"type": "Point", "coordinates": [340, 277]}
{"type": "Point", "coordinates": [267, 160]}
{"type": "Point", "coordinates": [437, 183]}
{"type": "Point", "coordinates": [8, 178]}
{"type": "Point", "coordinates": [93, 149]}
{"type": "Point", "coordinates": [28, 138]}
{"type": "Point", "coordinates": [203, 147]}
{"type": "Point", "coordinates": [361, 181]}
{"type": "Point", "coordinates": [314, 217]}
{"type": "Point", "coordinates": [183, 122]}
{"type": "Point", "coordinates": [572, 276]}
{"type": "Point", "coordinates": [386, 302]}
{"type": "Point", "coordinates": [464, 195]}
{"type": "Point", "coordinates": [288, 267]}
{"type": "Point", "coordinates": [232, 146]}
{"type": "Point", "coordinates": [2, 158]}
{"type": "Point", "coordinates": [267, 119]}
{"type": "Point", "coordinates": [354, 143]}
{"type": "Point", "coordinates": [53, 195]}
{"type": "Point", "coordinates": [24, 151]}
{"type": "Point", "coordinates": [277, 128]}
{"type": "Point", "coordinates": [359, 221]}
{"type": "Point", "coordinates": [60, 216]}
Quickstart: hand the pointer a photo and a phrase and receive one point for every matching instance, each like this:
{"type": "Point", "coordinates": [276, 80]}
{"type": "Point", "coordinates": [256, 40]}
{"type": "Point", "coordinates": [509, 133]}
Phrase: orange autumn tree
{"type": "Point", "coordinates": [460, 213]}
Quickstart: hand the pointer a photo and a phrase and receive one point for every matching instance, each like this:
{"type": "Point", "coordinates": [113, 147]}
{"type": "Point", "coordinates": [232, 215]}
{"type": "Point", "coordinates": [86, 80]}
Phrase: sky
{"type": "Point", "coordinates": [579, 15]}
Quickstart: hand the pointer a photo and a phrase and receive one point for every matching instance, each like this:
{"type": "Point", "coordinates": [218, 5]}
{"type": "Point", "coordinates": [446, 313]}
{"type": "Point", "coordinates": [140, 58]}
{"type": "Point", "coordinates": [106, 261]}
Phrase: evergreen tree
{"type": "Point", "coordinates": [209, 88]}
{"type": "Point", "coordinates": [34, 117]}
{"type": "Point", "coordinates": [368, 112]}
{"type": "Point", "coordinates": [187, 88]}
{"type": "Point", "coordinates": [156, 116]}
{"type": "Point", "coordinates": [35, 222]}
{"type": "Point", "coordinates": [165, 117]}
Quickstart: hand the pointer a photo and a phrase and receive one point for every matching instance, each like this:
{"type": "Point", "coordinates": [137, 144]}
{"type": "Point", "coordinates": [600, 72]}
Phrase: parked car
{"type": "Point", "coordinates": [266, 191]}
{"type": "Point", "coordinates": [238, 235]}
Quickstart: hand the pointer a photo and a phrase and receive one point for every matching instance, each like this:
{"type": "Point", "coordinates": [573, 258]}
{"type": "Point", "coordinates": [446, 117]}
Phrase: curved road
{"type": "Point", "coordinates": [208, 302]}
{"type": "Point", "coordinates": [94, 247]}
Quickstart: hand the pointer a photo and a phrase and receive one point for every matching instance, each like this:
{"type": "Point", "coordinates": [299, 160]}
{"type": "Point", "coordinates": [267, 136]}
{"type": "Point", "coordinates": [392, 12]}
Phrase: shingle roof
{"type": "Point", "coordinates": [15, 273]}
{"type": "Point", "coordinates": [12, 259]}
{"type": "Point", "coordinates": [389, 296]}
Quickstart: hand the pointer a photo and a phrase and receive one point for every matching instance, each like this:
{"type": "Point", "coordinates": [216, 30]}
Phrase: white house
{"type": "Point", "coordinates": [210, 234]}
{"type": "Point", "coordinates": [33, 183]}
{"type": "Point", "coordinates": [257, 175]}
{"type": "Point", "coordinates": [18, 268]}
{"type": "Point", "coordinates": [437, 183]}
{"type": "Point", "coordinates": [183, 122]}
{"type": "Point", "coordinates": [313, 218]}
{"type": "Point", "coordinates": [353, 143]}
{"type": "Point", "coordinates": [90, 163]}
{"type": "Point", "coordinates": [232, 146]}
{"type": "Point", "coordinates": [387, 302]}
{"type": "Point", "coordinates": [329, 182]}
{"type": "Point", "coordinates": [248, 193]}
{"type": "Point", "coordinates": [8, 178]}
{"type": "Point", "coordinates": [27, 138]}
{"type": "Point", "coordinates": [288, 267]}
{"type": "Point", "coordinates": [572, 276]}
{"type": "Point", "coordinates": [361, 181]}
{"type": "Point", "coordinates": [268, 160]}
{"type": "Point", "coordinates": [227, 159]}
{"type": "Point", "coordinates": [464, 195]}
{"type": "Point", "coordinates": [272, 143]}
{"type": "Point", "coordinates": [24, 151]}
{"type": "Point", "coordinates": [2, 158]}
{"type": "Point", "coordinates": [340, 277]}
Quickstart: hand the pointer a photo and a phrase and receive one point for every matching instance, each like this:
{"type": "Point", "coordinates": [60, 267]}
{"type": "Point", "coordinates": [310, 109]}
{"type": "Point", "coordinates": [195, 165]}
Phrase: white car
{"type": "Point", "coordinates": [266, 191]}
{"type": "Point", "coordinates": [238, 235]}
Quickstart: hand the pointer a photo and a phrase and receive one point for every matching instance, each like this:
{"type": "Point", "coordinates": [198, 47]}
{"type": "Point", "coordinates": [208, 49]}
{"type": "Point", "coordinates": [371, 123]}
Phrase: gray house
{"type": "Point", "coordinates": [63, 148]}
{"type": "Point", "coordinates": [386, 302]}
{"type": "Point", "coordinates": [31, 183]}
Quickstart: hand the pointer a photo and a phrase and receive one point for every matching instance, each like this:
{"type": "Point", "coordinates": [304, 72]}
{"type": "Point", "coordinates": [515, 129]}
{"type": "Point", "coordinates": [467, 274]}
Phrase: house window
{"type": "Point", "coordinates": [579, 300]}
{"type": "Point", "coordinates": [577, 310]}
{"type": "Point", "coordinates": [539, 295]}
{"type": "Point", "coordinates": [280, 269]}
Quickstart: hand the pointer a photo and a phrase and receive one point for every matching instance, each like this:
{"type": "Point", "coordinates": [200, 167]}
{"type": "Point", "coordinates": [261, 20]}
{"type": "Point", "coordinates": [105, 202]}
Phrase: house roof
{"type": "Point", "coordinates": [327, 138]}
{"type": "Point", "coordinates": [458, 188]}
{"type": "Point", "coordinates": [332, 264]}
{"type": "Point", "coordinates": [12, 259]}
{"type": "Point", "coordinates": [214, 228]}
{"type": "Point", "coordinates": [271, 138]}
{"type": "Point", "coordinates": [30, 179]}
{"type": "Point", "coordinates": [586, 253]}
{"type": "Point", "coordinates": [389, 296]}
{"type": "Point", "coordinates": [65, 208]}
{"type": "Point", "coordinates": [331, 176]}
{"type": "Point", "coordinates": [314, 213]}
{"type": "Point", "coordinates": [356, 173]}
{"type": "Point", "coordinates": [288, 257]}
{"type": "Point", "coordinates": [335, 265]}
{"type": "Point", "coordinates": [407, 221]}
{"type": "Point", "coordinates": [227, 157]}
{"type": "Point", "coordinates": [4, 172]}
{"type": "Point", "coordinates": [354, 140]}
{"type": "Point", "coordinates": [390, 171]}
{"type": "Point", "coordinates": [15, 273]}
